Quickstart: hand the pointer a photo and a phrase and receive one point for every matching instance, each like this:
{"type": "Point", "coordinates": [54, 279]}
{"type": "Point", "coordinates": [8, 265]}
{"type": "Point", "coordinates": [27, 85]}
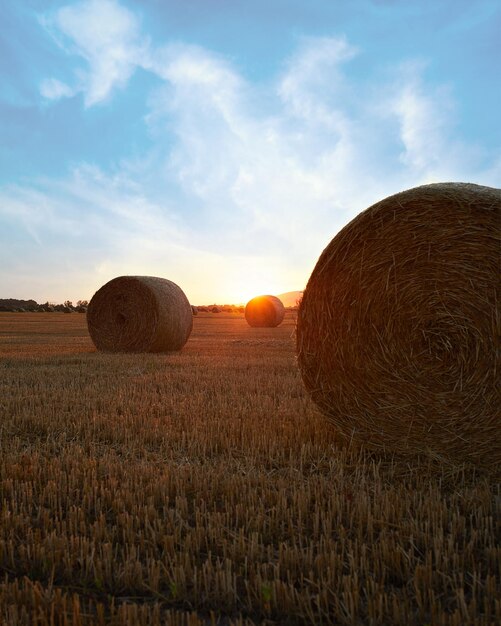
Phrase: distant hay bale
{"type": "Point", "coordinates": [215, 309]}
{"type": "Point", "coordinates": [139, 314]}
{"type": "Point", "coordinates": [264, 311]}
{"type": "Point", "coordinates": [194, 310]}
{"type": "Point", "coordinates": [396, 332]}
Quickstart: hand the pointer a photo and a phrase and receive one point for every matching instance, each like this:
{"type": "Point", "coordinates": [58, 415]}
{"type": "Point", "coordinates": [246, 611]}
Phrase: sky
{"type": "Point", "coordinates": [222, 143]}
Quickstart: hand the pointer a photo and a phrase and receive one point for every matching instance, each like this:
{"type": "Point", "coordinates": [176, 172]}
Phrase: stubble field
{"type": "Point", "coordinates": [203, 488]}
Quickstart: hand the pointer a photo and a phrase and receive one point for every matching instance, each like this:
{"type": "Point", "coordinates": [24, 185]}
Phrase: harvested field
{"type": "Point", "coordinates": [203, 487]}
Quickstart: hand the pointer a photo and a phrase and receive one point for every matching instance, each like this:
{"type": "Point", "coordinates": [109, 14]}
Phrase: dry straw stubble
{"type": "Point", "coordinates": [139, 314]}
{"type": "Point", "coordinates": [396, 333]}
{"type": "Point", "coordinates": [264, 312]}
{"type": "Point", "coordinates": [134, 497]}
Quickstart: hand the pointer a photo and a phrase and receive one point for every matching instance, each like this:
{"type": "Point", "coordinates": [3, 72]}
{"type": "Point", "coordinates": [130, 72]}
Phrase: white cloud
{"type": "Point", "coordinates": [312, 87]}
{"type": "Point", "coordinates": [54, 89]}
{"type": "Point", "coordinates": [429, 144]}
{"type": "Point", "coordinates": [268, 178]}
{"type": "Point", "coordinates": [89, 203]}
{"type": "Point", "coordinates": [107, 36]}
{"type": "Point", "coordinates": [423, 115]}
{"type": "Point", "coordinates": [74, 231]}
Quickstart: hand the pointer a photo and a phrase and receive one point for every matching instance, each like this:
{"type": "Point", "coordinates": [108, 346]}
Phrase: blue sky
{"type": "Point", "coordinates": [223, 143]}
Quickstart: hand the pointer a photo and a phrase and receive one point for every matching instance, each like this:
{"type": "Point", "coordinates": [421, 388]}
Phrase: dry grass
{"type": "Point", "coordinates": [204, 488]}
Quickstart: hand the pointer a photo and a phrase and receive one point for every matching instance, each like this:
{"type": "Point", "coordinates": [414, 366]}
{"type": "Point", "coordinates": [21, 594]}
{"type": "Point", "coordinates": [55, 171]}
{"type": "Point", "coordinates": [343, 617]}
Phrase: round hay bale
{"type": "Point", "coordinates": [396, 332]}
{"type": "Point", "coordinates": [194, 310]}
{"type": "Point", "coordinates": [264, 312]}
{"type": "Point", "coordinates": [139, 314]}
{"type": "Point", "coordinates": [215, 309]}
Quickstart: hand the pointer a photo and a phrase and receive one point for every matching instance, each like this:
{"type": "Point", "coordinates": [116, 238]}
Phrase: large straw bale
{"type": "Point", "coordinates": [139, 314]}
{"type": "Point", "coordinates": [397, 329]}
{"type": "Point", "coordinates": [264, 311]}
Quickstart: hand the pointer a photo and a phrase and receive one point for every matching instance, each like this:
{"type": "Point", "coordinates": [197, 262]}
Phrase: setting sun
{"type": "Point", "coordinates": [251, 285]}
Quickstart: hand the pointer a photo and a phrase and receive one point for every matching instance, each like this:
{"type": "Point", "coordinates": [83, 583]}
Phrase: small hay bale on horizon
{"type": "Point", "coordinates": [264, 312]}
{"type": "Point", "coordinates": [139, 314]}
{"type": "Point", "coordinates": [396, 331]}
{"type": "Point", "coordinates": [194, 310]}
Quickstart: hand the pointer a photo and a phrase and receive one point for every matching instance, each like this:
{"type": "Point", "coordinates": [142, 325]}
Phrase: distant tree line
{"type": "Point", "coordinates": [217, 308]}
{"type": "Point", "coordinates": [31, 306]}
{"type": "Point", "coordinates": [12, 305]}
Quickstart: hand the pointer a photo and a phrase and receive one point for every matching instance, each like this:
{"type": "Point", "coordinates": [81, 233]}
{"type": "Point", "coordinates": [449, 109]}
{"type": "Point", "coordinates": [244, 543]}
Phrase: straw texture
{"type": "Point", "coordinates": [139, 314]}
{"type": "Point", "coordinates": [398, 326]}
{"type": "Point", "coordinates": [264, 311]}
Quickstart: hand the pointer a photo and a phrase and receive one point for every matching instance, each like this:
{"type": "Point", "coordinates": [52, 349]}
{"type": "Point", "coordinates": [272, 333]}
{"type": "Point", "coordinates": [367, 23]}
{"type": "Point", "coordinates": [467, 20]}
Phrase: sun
{"type": "Point", "coordinates": [251, 287]}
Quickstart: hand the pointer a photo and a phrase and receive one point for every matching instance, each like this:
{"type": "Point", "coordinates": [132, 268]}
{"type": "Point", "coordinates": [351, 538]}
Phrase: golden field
{"type": "Point", "coordinates": [204, 488]}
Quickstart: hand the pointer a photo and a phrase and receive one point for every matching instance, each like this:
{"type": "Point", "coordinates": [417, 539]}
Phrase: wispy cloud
{"type": "Point", "coordinates": [94, 221]}
{"type": "Point", "coordinates": [267, 172]}
{"type": "Point", "coordinates": [107, 36]}
{"type": "Point", "coordinates": [304, 88]}
{"type": "Point", "coordinates": [54, 89]}
{"type": "Point", "coordinates": [424, 116]}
